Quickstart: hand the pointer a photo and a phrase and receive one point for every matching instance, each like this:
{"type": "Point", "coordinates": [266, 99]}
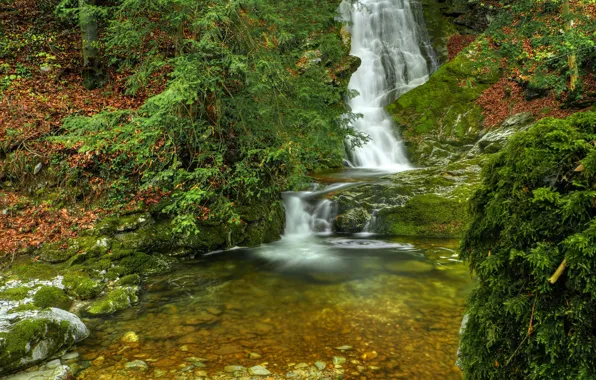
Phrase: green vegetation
{"type": "Point", "coordinates": [49, 296]}
{"type": "Point", "coordinates": [116, 300]}
{"type": "Point", "coordinates": [14, 294]}
{"type": "Point", "coordinates": [80, 285]}
{"type": "Point", "coordinates": [424, 215]}
{"type": "Point", "coordinates": [548, 45]}
{"type": "Point", "coordinates": [34, 270]}
{"type": "Point", "coordinates": [252, 101]}
{"type": "Point", "coordinates": [534, 212]}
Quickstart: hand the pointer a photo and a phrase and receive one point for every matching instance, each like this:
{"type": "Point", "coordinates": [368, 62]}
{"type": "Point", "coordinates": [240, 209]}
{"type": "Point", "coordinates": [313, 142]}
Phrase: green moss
{"type": "Point", "coordinates": [141, 263]}
{"type": "Point", "coordinates": [533, 210]}
{"type": "Point", "coordinates": [80, 285]}
{"type": "Point", "coordinates": [424, 215]}
{"type": "Point", "coordinates": [23, 307]}
{"type": "Point", "coordinates": [439, 27]}
{"type": "Point", "coordinates": [116, 300]}
{"type": "Point", "coordinates": [20, 341]}
{"type": "Point", "coordinates": [131, 279]}
{"type": "Point", "coordinates": [352, 221]}
{"type": "Point", "coordinates": [444, 108]}
{"type": "Point", "coordinates": [34, 270]}
{"type": "Point", "coordinates": [49, 296]}
{"type": "Point", "coordinates": [14, 294]}
{"type": "Point", "coordinates": [86, 246]}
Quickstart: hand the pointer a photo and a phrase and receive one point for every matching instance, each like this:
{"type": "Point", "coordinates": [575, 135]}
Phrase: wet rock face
{"type": "Point", "coordinates": [30, 337]}
{"type": "Point", "coordinates": [425, 202]}
{"type": "Point", "coordinates": [352, 221]}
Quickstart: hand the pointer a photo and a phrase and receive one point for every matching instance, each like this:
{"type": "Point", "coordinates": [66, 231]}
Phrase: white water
{"type": "Point", "coordinates": [390, 38]}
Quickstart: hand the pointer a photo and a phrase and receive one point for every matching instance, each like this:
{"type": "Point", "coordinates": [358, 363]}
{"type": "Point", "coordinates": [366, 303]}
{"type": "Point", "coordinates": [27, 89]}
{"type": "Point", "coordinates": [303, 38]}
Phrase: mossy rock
{"type": "Point", "coordinates": [352, 221]}
{"type": "Point", "coordinates": [80, 285]}
{"type": "Point", "coordinates": [49, 296]}
{"type": "Point", "coordinates": [424, 215]}
{"type": "Point", "coordinates": [131, 279]}
{"type": "Point", "coordinates": [141, 263]}
{"type": "Point", "coordinates": [442, 113]}
{"type": "Point", "coordinates": [88, 246]}
{"type": "Point", "coordinates": [439, 27]}
{"type": "Point", "coordinates": [24, 307]}
{"type": "Point", "coordinates": [116, 300]}
{"type": "Point", "coordinates": [29, 270]}
{"type": "Point", "coordinates": [267, 222]}
{"type": "Point", "coordinates": [30, 337]}
{"type": "Point", "coordinates": [14, 294]}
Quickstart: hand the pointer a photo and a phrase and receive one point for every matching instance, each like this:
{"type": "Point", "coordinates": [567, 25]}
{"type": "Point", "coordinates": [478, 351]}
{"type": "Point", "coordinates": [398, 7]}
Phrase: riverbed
{"type": "Point", "coordinates": [316, 307]}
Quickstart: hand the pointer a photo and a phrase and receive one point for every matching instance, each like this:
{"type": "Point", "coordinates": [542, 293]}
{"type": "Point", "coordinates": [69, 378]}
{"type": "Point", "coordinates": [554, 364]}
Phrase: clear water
{"type": "Point", "coordinates": [397, 303]}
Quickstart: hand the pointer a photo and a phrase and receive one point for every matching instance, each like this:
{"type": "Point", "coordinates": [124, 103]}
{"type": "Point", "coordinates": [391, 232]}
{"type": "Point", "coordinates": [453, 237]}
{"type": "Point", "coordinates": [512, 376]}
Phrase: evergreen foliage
{"type": "Point", "coordinates": [535, 208]}
{"type": "Point", "coordinates": [252, 101]}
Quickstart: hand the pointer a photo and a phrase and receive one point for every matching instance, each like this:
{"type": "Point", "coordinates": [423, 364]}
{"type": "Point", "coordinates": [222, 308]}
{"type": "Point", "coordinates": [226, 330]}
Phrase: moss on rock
{"type": "Point", "coordinates": [29, 337]}
{"type": "Point", "coordinates": [534, 211]}
{"type": "Point", "coordinates": [440, 116]}
{"type": "Point", "coordinates": [30, 270]}
{"type": "Point", "coordinates": [424, 215]}
{"type": "Point", "coordinates": [352, 221]}
{"type": "Point", "coordinates": [80, 285]}
{"type": "Point", "coordinates": [49, 296]}
{"type": "Point", "coordinates": [116, 300]}
{"type": "Point", "coordinates": [14, 294]}
{"type": "Point", "coordinates": [131, 279]}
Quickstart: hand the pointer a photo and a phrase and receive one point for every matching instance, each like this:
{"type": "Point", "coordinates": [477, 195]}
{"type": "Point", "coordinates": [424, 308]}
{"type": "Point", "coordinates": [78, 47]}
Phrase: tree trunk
{"type": "Point", "coordinates": [93, 75]}
{"type": "Point", "coordinates": [572, 58]}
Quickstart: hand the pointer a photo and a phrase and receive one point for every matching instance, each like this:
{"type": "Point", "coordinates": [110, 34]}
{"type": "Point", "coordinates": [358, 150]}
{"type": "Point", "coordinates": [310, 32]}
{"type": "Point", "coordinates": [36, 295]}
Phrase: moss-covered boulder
{"type": "Point", "coordinates": [30, 337]}
{"type": "Point", "coordinates": [14, 294]}
{"type": "Point", "coordinates": [116, 300]}
{"type": "Point", "coordinates": [80, 285]}
{"type": "Point", "coordinates": [429, 215]}
{"type": "Point", "coordinates": [439, 120]}
{"type": "Point", "coordinates": [352, 221]}
{"type": "Point", "coordinates": [424, 202]}
{"type": "Point", "coordinates": [531, 243]}
{"type": "Point", "coordinates": [49, 296]}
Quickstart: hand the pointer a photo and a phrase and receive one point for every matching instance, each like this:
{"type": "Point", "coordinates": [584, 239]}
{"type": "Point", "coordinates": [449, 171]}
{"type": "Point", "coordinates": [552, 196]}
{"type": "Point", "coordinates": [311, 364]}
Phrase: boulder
{"type": "Point", "coordinates": [30, 337]}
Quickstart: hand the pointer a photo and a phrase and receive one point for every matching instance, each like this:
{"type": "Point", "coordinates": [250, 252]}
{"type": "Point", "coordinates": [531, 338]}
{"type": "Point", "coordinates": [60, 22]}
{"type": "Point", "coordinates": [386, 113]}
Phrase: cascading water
{"type": "Point", "coordinates": [390, 38]}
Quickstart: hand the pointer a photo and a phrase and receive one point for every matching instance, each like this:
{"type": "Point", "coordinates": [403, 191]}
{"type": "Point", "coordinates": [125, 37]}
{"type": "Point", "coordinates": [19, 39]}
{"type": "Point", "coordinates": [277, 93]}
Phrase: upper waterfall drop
{"type": "Point", "coordinates": [390, 38]}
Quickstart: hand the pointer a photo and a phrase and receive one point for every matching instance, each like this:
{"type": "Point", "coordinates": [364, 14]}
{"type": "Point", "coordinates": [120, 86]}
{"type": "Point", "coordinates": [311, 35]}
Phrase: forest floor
{"type": "Point", "coordinates": [40, 85]}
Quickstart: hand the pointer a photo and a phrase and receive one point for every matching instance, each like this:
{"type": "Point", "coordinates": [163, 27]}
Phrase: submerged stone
{"type": "Point", "coordinates": [343, 348]}
{"type": "Point", "coordinates": [234, 368]}
{"type": "Point", "coordinates": [137, 365]}
{"type": "Point", "coordinates": [409, 266]}
{"type": "Point", "coordinates": [60, 372]}
{"type": "Point", "coordinates": [339, 360]}
{"type": "Point", "coordinates": [258, 371]}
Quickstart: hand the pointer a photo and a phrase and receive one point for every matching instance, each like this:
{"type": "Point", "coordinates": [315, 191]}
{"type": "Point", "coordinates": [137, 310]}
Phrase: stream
{"type": "Point", "coordinates": [314, 305]}
{"type": "Point", "coordinates": [394, 306]}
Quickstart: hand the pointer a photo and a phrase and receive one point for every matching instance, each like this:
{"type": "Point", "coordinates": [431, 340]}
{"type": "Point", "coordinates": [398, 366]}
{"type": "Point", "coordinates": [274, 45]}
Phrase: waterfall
{"type": "Point", "coordinates": [390, 38]}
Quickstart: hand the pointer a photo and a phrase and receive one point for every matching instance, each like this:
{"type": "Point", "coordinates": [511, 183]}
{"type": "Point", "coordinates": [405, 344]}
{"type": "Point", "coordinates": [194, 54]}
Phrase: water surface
{"type": "Point", "coordinates": [397, 303]}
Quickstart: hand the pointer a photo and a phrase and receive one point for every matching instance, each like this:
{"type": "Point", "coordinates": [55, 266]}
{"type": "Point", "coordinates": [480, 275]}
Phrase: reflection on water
{"type": "Point", "coordinates": [393, 306]}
